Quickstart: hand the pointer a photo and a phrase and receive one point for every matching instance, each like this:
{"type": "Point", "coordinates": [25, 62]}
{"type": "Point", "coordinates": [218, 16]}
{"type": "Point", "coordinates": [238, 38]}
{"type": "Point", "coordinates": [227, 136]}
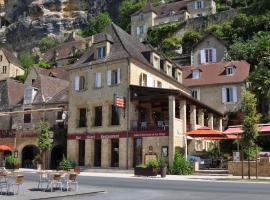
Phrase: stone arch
{"type": "Point", "coordinates": [28, 154]}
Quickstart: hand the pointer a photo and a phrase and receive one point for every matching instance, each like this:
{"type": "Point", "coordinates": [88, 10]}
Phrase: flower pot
{"type": "Point", "coordinates": [144, 171]}
{"type": "Point", "coordinates": [163, 171]}
{"type": "Point", "coordinates": [39, 167]}
{"type": "Point", "coordinates": [77, 170]}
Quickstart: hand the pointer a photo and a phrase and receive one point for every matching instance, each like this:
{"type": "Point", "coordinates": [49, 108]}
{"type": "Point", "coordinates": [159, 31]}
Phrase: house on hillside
{"type": "Point", "coordinates": [210, 49]}
{"type": "Point", "coordinates": [127, 103]}
{"type": "Point", "coordinates": [218, 84]}
{"type": "Point", "coordinates": [178, 11]}
{"type": "Point", "coordinates": [9, 65]}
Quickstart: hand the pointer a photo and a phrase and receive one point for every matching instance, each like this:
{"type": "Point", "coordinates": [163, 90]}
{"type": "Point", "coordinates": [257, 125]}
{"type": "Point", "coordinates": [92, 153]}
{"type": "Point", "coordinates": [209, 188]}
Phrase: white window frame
{"type": "Point", "coordinates": [195, 74]}
{"type": "Point", "coordinates": [114, 77]}
{"type": "Point", "coordinates": [98, 79]}
{"type": "Point", "coordinates": [229, 71]}
{"type": "Point", "coordinates": [101, 52]}
{"type": "Point", "coordinates": [231, 97]}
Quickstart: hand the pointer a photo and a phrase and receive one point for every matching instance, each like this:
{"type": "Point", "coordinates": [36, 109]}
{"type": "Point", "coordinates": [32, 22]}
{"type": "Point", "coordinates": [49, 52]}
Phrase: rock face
{"type": "Point", "coordinates": [30, 20]}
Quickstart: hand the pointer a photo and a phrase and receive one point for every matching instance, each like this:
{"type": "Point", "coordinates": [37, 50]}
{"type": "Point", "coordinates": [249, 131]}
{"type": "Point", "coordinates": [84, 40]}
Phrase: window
{"type": "Point", "coordinates": [195, 74]}
{"type": "Point", "coordinates": [4, 69]}
{"type": "Point", "coordinates": [208, 56]}
{"type": "Point", "coordinates": [1, 58]}
{"type": "Point", "coordinates": [101, 52]}
{"type": "Point", "coordinates": [98, 80]}
{"type": "Point", "coordinates": [28, 94]}
{"type": "Point", "coordinates": [159, 84]}
{"type": "Point", "coordinates": [82, 119]}
{"type": "Point", "coordinates": [156, 62]}
{"type": "Point", "coordinates": [113, 77]}
{"type": "Point", "coordinates": [98, 116]}
{"type": "Point", "coordinates": [27, 117]}
{"type": "Point", "coordinates": [169, 70]}
{"type": "Point", "coordinates": [195, 94]}
{"type": "Point", "coordinates": [79, 83]}
{"type": "Point", "coordinates": [141, 17]}
{"type": "Point", "coordinates": [143, 80]}
{"type": "Point", "coordinates": [198, 4]}
{"type": "Point", "coordinates": [140, 30]}
{"type": "Point", "coordinates": [229, 95]}
{"type": "Point", "coordinates": [115, 120]}
{"type": "Point", "coordinates": [179, 77]}
{"type": "Point", "coordinates": [229, 71]}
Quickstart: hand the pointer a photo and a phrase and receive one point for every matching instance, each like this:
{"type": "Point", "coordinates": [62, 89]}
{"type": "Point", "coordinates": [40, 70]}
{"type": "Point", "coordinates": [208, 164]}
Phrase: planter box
{"type": "Point", "coordinates": [142, 171]}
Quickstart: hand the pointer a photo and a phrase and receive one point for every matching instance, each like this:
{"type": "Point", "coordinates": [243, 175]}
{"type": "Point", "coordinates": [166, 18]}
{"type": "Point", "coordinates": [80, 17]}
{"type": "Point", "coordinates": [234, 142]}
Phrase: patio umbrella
{"type": "Point", "coordinates": [5, 148]}
{"type": "Point", "coordinates": [205, 132]}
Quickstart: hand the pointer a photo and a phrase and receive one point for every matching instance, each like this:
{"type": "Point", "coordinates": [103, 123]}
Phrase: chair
{"type": "Point", "coordinates": [143, 126]}
{"type": "Point", "coordinates": [160, 125]}
{"type": "Point", "coordinates": [72, 180]}
{"type": "Point", "coordinates": [43, 178]}
{"type": "Point", "coordinates": [56, 180]}
{"type": "Point", "coordinates": [18, 182]}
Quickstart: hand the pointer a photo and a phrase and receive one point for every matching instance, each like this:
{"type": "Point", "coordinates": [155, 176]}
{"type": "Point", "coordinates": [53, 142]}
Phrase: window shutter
{"type": "Point", "coordinates": [138, 30]}
{"type": "Point", "coordinates": [140, 79]}
{"type": "Point", "coordinates": [223, 95]}
{"type": "Point", "coordinates": [195, 5]}
{"type": "Point", "coordinates": [118, 75]}
{"type": "Point", "coordinates": [144, 29]}
{"type": "Point", "coordinates": [109, 77]}
{"type": "Point", "coordinates": [234, 94]}
{"type": "Point", "coordinates": [98, 80]}
{"type": "Point", "coordinates": [198, 94]}
{"type": "Point", "coordinates": [214, 55]}
{"type": "Point", "coordinates": [149, 81]}
{"type": "Point", "coordinates": [202, 3]}
{"type": "Point", "coordinates": [77, 83]}
{"type": "Point", "coordinates": [203, 56]}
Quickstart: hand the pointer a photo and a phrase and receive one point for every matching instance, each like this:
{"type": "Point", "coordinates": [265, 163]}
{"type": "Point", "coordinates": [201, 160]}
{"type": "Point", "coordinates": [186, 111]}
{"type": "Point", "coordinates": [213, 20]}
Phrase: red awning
{"type": "Point", "coordinates": [5, 148]}
{"type": "Point", "coordinates": [233, 130]}
{"type": "Point", "coordinates": [263, 129]}
{"type": "Point", "coordinates": [204, 132]}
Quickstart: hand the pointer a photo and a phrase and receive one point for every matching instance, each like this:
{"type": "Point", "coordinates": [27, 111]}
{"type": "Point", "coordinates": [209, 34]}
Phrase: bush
{"type": "Point", "coordinates": [66, 164]}
{"type": "Point", "coordinates": [12, 161]}
{"type": "Point", "coordinates": [44, 64]}
{"type": "Point", "coordinates": [180, 165]}
{"type": "Point", "coordinates": [152, 164]}
{"type": "Point", "coordinates": [213, 152]}
{"type": "Point", "coordinates": [47, 43]}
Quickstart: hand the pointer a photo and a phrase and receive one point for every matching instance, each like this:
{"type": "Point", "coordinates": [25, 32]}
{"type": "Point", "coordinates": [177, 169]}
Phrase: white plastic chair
{"type": "Point", "coordinates": [56, 181]}
{"type": "Point", "coordinates": [43, 178]}
{"type": "Point", "coordinates": [72, 180]}
{"type": "Point", "coordinates": [18, 182]}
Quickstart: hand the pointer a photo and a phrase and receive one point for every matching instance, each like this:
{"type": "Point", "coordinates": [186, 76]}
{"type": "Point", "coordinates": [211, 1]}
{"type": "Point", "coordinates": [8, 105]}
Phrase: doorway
{"type": "Point", "coordinates": [29, 153]}
{"type": "Point", "coordinates": [115, 153]}
{"type": "Point", "coordinates": [137, 152]}
{"type": "Point", "coordinates": [81, 152]}
{"type": "Point", "coordinates": [57, 154]}
{"type": "Point", "coordinates": [97, 161]}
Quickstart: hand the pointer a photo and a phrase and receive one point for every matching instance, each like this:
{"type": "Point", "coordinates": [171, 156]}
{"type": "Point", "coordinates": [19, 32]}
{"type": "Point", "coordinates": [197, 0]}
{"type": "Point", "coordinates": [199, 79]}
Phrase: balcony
{"type": "Point", "coordinates": [148, 126]}
{"type": "Point", "coordinates": [9, 133]}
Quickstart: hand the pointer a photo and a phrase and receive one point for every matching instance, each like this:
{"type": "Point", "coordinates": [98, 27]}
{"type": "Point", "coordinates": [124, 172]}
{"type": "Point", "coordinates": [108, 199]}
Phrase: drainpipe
{"type": "Point", "coordinates": [127, 110]}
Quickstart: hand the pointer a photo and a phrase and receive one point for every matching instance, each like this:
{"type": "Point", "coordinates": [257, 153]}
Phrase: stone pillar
{"type": "Point", "coordinates": [211, 120]}
{"type": "Point", "coordinates": [171, 129]}
{"type": "Point", "coordinates": [89, 152]}
{"type": "Point", "coordinates": [193, 117]}
{"type": "Point", "coordinates": [183, 114]}
{"type": "Point", "coordinates": [201, 117]}
{"type": "Point", "coordinates": [105, 153]}
{"type": "Point", "coordinates": [220, 126]}
{"type": "Point", "coordinates": [73, 150]}
{"type": "Point", "coordinates": [122, 153]}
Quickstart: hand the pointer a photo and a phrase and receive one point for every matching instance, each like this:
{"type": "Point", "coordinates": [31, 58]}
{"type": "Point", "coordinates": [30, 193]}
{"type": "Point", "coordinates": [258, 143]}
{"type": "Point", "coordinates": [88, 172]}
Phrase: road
{"type": "Point", "coordinates": [151, 189]}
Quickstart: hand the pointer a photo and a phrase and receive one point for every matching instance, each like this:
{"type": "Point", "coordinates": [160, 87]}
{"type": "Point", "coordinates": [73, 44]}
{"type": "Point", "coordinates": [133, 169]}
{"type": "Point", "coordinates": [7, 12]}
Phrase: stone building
{"type": "Point", "coordinates": [127, 103]}
{"type": "Point", "coordinates": [178, 11]}
{"type": "Point", "coordinates": [210, 49]}
{"type": "Point", "coordinates": [224, 82]}
{"type": "Point", "coordinates": [9, 65]}
{"type": "Point", "coordinates": [45, 98]}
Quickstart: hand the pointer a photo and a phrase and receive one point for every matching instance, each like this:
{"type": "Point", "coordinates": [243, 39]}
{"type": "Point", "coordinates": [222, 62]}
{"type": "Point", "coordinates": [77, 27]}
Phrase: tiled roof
{"type": "Point", "coordinates": [11, 57]}
{"type": "Point", "coordinates": [212, 74]}
{"type": "Point", "coordinates": [63, 50]}
{"type": "Point", "coordinates": [61, 97]}
{"type": "Point", "coordinates": [164, 9]}
{"type": "Point", "coordinates": [57, 72]}
{"type": "Point", "coordinates": [48, 87]}
{"type": "Point", "coordinates": [15, 91]}
{"type": "Point", "coordinates": [208, 35]}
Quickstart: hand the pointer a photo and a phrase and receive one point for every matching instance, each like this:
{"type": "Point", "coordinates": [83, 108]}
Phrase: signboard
{"type": "Point", "coordinates": [149, 157]}
{"type": "Point", "coordinates": [119, 101]}
{"type": "Point", "coordinates": [236, 156]}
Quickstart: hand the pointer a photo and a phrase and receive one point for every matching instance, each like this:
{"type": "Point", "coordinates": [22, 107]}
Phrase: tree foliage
{"type": "Point", "coordinates": [189, 39]}
{"type": "Point", "coordinates": [47, 43]}
{"type": "Point", "coordinates": [180, 165]}
{"type": "Point", "coordinates": [44, 142]}
{"type": "Point", "coordinates": [97, 24]}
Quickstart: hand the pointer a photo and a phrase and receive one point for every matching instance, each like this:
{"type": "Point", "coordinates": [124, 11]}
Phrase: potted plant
{"type": "Point", "coordinates": [38, 162]}
{"type": "Point", "coordinates": [12, 162]}
{"type": "Point", "coordinates": [149, 170]}
{"type": "Point", "coordinates": [66, 164]}
{"type": "Point", "coordinates": [163, 167]}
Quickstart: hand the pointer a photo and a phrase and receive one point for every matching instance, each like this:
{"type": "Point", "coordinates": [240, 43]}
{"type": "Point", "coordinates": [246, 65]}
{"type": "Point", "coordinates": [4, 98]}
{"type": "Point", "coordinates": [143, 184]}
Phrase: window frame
{"type": "Point", "coordinates": [98, 121]}
{"type": "Point", "coordinates": [101, 54]}
{"type": "Point", "coordinates": [115, 115]}
{"type": "Point", "coordinates": [4, 69]}
{"type": "Point", "coordinates": [195, 72]}
{"type": "Point", "coordinates": [228, 70]}
{"type": "Point", "coordinates": [27, 117]}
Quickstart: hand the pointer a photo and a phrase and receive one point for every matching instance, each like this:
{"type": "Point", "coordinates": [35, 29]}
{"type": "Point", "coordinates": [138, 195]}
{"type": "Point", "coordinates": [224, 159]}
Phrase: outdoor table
{"type": "Point", "coordinates": [4, 178]}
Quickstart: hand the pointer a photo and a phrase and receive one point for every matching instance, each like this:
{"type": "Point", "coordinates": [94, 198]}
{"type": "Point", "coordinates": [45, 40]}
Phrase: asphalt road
{"type": "Point", "coordinates": [151, 189]}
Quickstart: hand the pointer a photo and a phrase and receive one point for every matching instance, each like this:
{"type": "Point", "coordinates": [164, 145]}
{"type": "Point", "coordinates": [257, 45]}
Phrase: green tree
{"type": "Point", "coordinates": [249, 126]}
{"type": "Point", "coordinates": [47, 43]}
{"type": "Point", "coordinates": [27, 61]}
{"type": "Point", "coordinates": [189, 39]}
{"type": "Point", "coordinates": [97, 24]}
{"type": "Point", "coordinates": [44, 141]}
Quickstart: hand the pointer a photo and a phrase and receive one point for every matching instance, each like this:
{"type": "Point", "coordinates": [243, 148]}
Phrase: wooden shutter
{"type": "Point", "coordinates": [138, 30]}
{"type": "Point", "coordinates": [195, 5]}
{"type": "Point", "coordinates": [118, 75]}
{"type": "Point", "coordinates": [149, 81]}
{"type": "Point", "coordinates": [98, 80]}
{"type": "Point", "coordinates": [234, 94]}
{"type": "Point", "coordinates": [77, 83]}
{"type": "Point", "coordinates": [202, 3]}
{"type": "Point", "coordinates": [224, 96]}
{"type": "Point", "coordinates": [214, 55]}
{"type": "Point", "coordinates": [109, 77]}
{"type": "Point", "coordinates": [203, 56]}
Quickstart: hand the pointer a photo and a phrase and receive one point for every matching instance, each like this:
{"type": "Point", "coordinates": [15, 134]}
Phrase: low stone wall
{"type": "Point", "coordinates": [235, 168]}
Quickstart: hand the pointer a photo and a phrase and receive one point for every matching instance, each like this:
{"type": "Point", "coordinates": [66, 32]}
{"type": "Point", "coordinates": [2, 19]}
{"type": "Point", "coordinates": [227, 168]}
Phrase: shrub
{"type": "Point", "coordinates": [66, 164]}
{"type": "Point", "coordinates": [46, 43]}
{"type": "Point", "coordinates": [213, 152]}
{"type": "Point", "coordinates": [44, 64]}
{"type": "Point", "coordinates": [12, 161]}
{"type": "Point", "coordinates": [180, 165]}
{"type": "Point", "coordinates": [152, 164]}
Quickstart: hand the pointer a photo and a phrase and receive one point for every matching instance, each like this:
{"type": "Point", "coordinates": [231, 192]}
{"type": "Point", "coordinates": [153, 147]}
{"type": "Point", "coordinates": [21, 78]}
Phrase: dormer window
{"type": "Point", "coordinates": [195, 74]}
{"type": "Point", "coordinates": [29, 94]}
{"type": "Point", "coordinates": [198, 4]}
{"type": "Point", "coordinates": [101, 52]}
{"type": "Point", "coordinates": [229, 71]}
{"type": "Point", "coordinates": [156, 62]}
{"type": "Point", "coordinates": [179, 76]}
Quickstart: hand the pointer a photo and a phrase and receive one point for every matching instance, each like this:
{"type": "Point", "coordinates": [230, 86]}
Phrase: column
{"type": "Point", "coordinates": [73, 150]}
{"type": "Point", "coordinates": [171, 129]}
{"type": "Point", "coordinates": [193, 117]}
{"type": "Point", "coordinates": [201, 117]}
{"type": "Point", "coordinates": [123, 153]}
{"type": "Point", "coordinates": [89, 152]}
{"type": "Point", "coordinates": [183, 114]}
{"type": "Point", "coordinates": [105, 153]}
{"type": "Point", "coordinates": [211, 120]}
{"type": "Point", "coordinates": [220, 126]}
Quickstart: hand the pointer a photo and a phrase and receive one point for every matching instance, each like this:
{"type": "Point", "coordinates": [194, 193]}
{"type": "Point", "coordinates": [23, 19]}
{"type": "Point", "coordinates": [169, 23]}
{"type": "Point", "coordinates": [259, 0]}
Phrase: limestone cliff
{"type": "Point", "coordinates": [26, 21]}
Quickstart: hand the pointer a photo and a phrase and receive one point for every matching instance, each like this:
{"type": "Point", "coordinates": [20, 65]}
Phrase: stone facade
{"type": "Point", "coordinates": [197, 8]}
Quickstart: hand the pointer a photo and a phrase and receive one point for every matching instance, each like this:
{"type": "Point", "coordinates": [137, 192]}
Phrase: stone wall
{"type": "Point", "coordinates": [235, 168]}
